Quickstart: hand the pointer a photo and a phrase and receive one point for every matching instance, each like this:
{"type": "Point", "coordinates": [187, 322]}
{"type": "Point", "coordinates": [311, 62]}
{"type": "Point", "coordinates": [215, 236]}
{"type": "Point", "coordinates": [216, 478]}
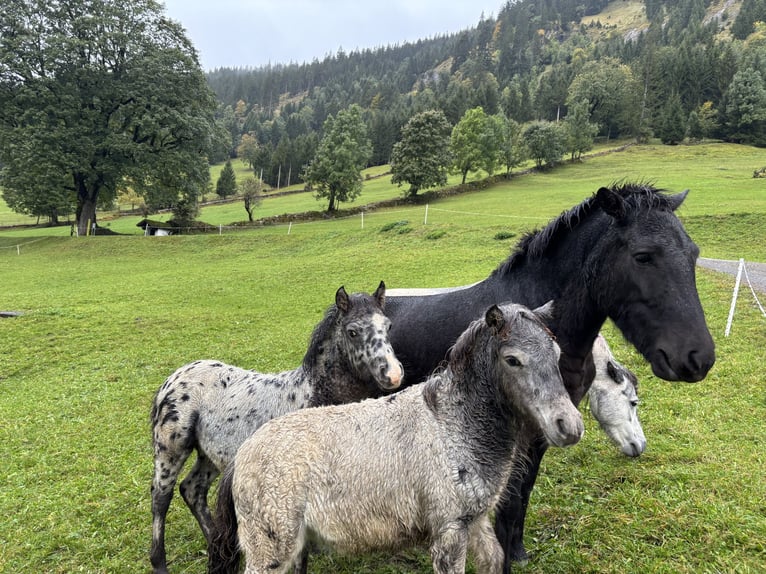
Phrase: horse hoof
{"type": "Point", "coordinates": [519, 556]}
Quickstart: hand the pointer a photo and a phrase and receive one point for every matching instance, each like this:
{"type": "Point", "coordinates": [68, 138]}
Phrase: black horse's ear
{"type": "Point", "coordinates": [342, 301]}
{"type": "Point", "coordinates": [545, 312]}
{"type": "Point", "coordinates": [676, 200]}
{"type": "Point", "coordinates": [611, 203]}
{"type": "Point", "coordinates": [495, 318]}
{"type": "Point", "coordinates": [380, 295]}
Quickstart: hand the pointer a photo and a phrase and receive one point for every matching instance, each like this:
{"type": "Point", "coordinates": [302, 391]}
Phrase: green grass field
{"type": "Point", "coordinates": [107, 319]}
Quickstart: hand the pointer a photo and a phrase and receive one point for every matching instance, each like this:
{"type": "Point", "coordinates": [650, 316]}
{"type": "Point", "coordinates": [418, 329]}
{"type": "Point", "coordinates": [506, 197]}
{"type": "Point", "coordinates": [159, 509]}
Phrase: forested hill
{"type": "Point", "coordinates": [638, 63]}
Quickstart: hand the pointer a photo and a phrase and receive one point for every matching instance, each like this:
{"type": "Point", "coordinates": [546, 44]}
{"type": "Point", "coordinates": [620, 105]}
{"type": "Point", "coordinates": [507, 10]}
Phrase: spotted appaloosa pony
{"type": "Point", "coordinates": [613, 400]}
{"type": "Point", "coordinates": [425, 465]}
{"type": "Point", "coordinates": [621, 254]}
{"type": "Point", "coordinates": [212, 408]}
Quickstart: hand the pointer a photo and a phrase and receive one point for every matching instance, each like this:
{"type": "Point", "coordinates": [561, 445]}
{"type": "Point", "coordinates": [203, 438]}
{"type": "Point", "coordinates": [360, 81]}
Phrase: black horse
{"type": "Point", "coordinates": [622, 254]}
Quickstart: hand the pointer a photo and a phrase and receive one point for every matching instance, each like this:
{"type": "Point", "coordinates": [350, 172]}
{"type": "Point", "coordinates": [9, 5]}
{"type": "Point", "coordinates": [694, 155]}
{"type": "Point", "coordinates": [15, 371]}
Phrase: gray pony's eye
{"type": "Point", "coordinates": [513, 361]}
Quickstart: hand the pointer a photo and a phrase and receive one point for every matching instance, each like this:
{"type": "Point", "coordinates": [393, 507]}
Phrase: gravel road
{"type": "Point", "coordinates": [755, 271]}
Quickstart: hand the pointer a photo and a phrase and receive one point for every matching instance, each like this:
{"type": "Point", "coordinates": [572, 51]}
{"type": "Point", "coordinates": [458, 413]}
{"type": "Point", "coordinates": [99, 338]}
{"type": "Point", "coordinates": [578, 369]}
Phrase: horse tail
{"type": "Point", "coordinates": [223, 548]}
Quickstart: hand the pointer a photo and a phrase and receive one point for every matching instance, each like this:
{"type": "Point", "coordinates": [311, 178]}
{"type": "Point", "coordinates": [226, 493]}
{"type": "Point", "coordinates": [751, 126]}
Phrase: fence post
{"type": "Point", "coordinates": [363, 220]}
{"type": "Point", "coordinates": [425, 219]}
{"type": "Point", "coordinates": [289, 228]}
{"type": "Point", "coordinates": [734, 298]}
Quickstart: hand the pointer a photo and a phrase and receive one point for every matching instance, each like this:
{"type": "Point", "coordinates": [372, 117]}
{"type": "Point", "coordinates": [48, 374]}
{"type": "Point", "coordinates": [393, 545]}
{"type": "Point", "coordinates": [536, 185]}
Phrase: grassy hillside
{"type": "Point", "coordinates": [627, 18]}
{"type": "Point", "coordinates": [107, 319]}
{"type": "Point", "coordinates": [719, 177]}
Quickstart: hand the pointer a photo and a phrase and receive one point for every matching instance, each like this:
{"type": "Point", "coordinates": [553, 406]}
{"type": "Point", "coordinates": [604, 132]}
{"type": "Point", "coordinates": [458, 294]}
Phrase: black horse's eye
{"type": "Point", "coordinates": [643, 257]}
{"type": "Point", "coordinates": [513, 361]}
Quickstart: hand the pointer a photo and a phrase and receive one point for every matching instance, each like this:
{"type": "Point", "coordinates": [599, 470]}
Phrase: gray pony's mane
{"type": "Point", "coordinates": [534, 244]}
{"type": "Point", "coordinates": [459, 353]}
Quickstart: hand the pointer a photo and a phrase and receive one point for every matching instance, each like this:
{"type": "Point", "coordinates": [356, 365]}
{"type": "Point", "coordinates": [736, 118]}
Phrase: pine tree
{"type": "Point", "coordinates": [227, 181]}
{"type": "Point", "coordinates": [671, 124]}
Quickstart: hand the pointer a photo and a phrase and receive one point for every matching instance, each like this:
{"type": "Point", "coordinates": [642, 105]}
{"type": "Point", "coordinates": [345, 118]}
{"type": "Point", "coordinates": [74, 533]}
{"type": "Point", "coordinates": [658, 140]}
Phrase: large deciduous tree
{"type": "Point", "coordinates": [580, 131]}
{"type": "Point", "coordinates": [546, 142]}
{"type": "Point", "coordinates": [475, 143]}
{"type": "Point", "coordinates": [335, 173]}
{"type": "Point", "coordinates": [513, 150]}
{"type": "Point", "coordinates": [422, 156]}
{"type": "Point", "coordinates": [96, 96]}
{"type": "Point", "coordinates": [612, 94]}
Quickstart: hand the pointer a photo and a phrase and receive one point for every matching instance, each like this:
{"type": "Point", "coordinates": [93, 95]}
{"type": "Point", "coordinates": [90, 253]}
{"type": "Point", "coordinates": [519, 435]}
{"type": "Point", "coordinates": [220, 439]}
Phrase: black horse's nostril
{"type": "Point", "coordinates": [694, 362]}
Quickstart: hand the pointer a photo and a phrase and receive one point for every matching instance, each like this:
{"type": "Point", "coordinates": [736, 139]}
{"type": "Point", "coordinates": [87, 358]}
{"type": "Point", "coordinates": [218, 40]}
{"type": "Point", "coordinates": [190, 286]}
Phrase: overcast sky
{"type": "Point", "coordinates": [250, 33]}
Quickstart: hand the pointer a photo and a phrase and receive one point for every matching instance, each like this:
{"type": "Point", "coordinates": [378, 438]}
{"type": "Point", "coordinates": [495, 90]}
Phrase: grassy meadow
{"type": "Point", "coordinates": [107, 319]}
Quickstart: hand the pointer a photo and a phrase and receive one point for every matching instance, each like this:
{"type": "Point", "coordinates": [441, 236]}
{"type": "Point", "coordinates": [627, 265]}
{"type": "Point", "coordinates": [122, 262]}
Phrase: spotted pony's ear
{"type": "Point", "coordinates": [495, 319]}
{"type": "Point", "coordinates": [380, 295]}
{"type": "Point", "coordinates": [342, 301]}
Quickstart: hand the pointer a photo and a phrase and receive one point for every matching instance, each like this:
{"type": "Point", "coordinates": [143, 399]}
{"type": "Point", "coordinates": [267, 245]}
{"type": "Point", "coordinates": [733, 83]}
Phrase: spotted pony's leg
{"type": "Point", "coordinates": [194, 489]}
{"type": "Point", "coordinates": [167, 466]}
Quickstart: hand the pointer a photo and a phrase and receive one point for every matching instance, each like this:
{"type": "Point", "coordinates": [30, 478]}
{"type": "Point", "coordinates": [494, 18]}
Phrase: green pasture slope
{"type": "Point", "coordinates": [107, 319]}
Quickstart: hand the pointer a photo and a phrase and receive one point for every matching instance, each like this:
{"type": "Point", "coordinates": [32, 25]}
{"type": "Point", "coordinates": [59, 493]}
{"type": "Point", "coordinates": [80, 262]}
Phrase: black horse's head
{"type": "Point", "coordinates": [644, 274]}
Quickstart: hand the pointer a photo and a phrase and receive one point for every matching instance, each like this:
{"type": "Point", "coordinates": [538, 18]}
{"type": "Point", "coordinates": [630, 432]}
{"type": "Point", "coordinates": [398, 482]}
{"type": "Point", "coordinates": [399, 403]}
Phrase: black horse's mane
{"type": "Point", "coordinates": [535, 243]}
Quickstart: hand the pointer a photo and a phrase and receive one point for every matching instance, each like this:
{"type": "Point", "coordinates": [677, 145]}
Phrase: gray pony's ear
{"type": "Point", "coordinates": [611, 202]}
{"type": "Point", "coordinates": [342, 301]}
{"type": "Point", "coordinates": [545, 312]}
{"type": "Point", "coordinates": [676, 200]}
{"type": "Point", "coordinates": [611, 370]}
{"type": "Point", "coordinates": [380, 295]}
{"type": "Point", "coordinates": [494, 318]}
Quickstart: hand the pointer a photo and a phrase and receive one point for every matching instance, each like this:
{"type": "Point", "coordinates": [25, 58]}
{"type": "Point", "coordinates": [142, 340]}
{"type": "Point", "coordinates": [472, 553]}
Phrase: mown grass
{"type": "Point", "coordinates": [107, 319]}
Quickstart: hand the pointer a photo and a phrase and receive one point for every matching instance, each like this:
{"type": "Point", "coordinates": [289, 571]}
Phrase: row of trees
{"type": "Point", "coordinates": [430, 148]}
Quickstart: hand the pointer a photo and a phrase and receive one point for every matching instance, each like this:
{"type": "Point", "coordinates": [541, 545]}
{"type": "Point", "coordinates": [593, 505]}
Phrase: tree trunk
{"type": "Point", "coordinates": [86, 216]}
{"type": "Point", "coordinates": [86, 205]}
